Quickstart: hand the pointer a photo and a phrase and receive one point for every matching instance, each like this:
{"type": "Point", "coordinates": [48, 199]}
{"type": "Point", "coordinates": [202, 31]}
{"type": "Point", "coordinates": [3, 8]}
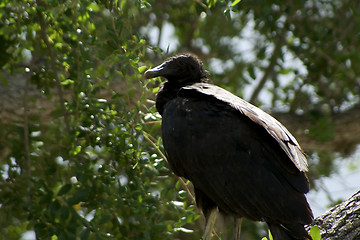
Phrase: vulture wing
{"type": "Point", "coordinates": [241, 158]}
{"type": "Point", "coordinates": [278, 131]}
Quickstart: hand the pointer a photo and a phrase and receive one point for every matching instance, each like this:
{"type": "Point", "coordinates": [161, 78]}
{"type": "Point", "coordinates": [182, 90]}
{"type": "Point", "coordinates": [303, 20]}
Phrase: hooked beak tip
{"type": "Point", "coordinates": [154, 72]}
{"type": "Point", "coordinates": [149, 74]}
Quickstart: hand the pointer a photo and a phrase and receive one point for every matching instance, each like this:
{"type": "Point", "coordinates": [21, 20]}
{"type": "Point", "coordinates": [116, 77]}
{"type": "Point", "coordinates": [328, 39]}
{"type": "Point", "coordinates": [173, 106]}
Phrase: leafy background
{"type": "Point", "coordinates": [80, 152]}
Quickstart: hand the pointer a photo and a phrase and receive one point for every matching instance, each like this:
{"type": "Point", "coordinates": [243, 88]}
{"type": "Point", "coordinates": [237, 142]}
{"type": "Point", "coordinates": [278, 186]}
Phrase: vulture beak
{"type": "Point", "coordinates": [156, 71]}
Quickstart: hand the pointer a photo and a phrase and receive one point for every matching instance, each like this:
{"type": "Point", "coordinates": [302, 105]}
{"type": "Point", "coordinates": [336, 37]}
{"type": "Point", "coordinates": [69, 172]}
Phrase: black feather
{"type": "Point", "coordinates": [238, 158]}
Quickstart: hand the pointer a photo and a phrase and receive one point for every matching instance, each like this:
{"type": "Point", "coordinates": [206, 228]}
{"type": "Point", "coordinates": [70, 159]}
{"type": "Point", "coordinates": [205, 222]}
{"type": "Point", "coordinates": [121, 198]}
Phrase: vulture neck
{"type": "Point", "coordinates": [170, 90]}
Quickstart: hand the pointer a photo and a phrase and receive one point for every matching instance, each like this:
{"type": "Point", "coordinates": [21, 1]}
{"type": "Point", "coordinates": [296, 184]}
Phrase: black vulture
{"type": "Point", "coordinates": [241, 160]}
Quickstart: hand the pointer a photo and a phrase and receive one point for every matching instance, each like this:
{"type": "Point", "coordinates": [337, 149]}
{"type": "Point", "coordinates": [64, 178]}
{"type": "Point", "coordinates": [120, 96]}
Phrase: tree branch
{"type": "Point", "coordinates": [345, 127]}
{"type": "Point", "coordinates": [269, 70]}
{"type": "Point", "coordinates": [342, 222]}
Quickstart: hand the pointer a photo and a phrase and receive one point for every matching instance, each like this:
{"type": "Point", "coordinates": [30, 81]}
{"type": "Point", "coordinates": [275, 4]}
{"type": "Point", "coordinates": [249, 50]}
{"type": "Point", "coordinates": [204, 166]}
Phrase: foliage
{"type": "Point", "coordinates": [92, 171]}
{"type": "Point", "coordinates": [94, 168]}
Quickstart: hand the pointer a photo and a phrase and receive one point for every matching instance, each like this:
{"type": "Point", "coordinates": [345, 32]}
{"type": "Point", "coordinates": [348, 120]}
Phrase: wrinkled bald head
{"type": "Point", "coordinates": [179, 69]}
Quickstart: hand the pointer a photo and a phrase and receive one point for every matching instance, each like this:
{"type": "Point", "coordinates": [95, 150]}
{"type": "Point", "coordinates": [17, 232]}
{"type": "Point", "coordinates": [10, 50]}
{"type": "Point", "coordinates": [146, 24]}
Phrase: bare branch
{"type": "Point", "coordinates": [269, 70]}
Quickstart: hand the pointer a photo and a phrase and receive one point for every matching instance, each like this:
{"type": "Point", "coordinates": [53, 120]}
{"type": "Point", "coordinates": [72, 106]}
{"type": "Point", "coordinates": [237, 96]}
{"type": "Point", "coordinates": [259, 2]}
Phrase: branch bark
{"type": "Point", "coordinates": [342, 222]}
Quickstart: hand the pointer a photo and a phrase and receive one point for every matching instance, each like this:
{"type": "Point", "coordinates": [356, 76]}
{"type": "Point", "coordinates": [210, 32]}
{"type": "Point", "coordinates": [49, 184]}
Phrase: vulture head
{"type": "Point", "coordinates": [180, 69]}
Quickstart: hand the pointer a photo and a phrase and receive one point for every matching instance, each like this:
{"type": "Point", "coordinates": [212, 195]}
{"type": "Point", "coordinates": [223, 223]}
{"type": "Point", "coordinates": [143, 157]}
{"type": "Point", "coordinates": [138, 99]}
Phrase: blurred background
{"type": "Point", "coordinates": [80, 148]}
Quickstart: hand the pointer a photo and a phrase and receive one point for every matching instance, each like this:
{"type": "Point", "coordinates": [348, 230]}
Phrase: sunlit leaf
{"type": "Point", "coordinates": [234, 3]}
{"type": "Point", "coordinates": [315, 232]}
{"type": "Point", "coordinates": [142, 69]}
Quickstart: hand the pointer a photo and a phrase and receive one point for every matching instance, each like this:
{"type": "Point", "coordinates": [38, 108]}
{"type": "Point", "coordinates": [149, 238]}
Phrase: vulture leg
{"type": "Point", "coordinates": [209, 223]}
{"type": "Point", "coordinates": [237, 228]}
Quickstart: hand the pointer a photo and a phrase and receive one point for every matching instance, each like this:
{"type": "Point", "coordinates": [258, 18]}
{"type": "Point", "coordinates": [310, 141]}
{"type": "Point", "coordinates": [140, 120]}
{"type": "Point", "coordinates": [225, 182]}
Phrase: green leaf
{"type": "Point", "coordinates": [270, 236]}
{"type": "Point", "coordinates": [235, 2]}
{"type": "Point", "coordinates": [67, 82]}
{"type": "Point", "coordinates": [77, 150]}
{"type": "Point", "coordinates": [64, 189]}
{"type": "Point", "coordinates": [80, 196]}
{"type": "Point", "coordinates": [251, 71]}
{"type": "Point", "coordinates": [315, 233]}
{"type": "Point", "coordinates": [211, 3]}
{"type": "Point", "coordinates": [286, 71]}
{"type": "Point", "coordinates": [142, 69]}
{"type": "Point", "coordinates": [178, 185]}
{"type": "Point", "coordinates": [93, 6]}
{"type": "Point", "coordinates": [183, 194]}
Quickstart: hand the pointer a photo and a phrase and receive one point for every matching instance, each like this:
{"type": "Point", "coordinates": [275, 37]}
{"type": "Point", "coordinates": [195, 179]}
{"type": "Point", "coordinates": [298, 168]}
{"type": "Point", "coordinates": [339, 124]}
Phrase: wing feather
{"type": "Point", "coordinates": [232, 160]}
{"type": "Point", "coordinates": [278, 131]}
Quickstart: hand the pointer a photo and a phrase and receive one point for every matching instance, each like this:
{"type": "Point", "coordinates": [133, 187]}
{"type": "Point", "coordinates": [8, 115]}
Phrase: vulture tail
{"type": "Point", "coordinates": [288, 232]}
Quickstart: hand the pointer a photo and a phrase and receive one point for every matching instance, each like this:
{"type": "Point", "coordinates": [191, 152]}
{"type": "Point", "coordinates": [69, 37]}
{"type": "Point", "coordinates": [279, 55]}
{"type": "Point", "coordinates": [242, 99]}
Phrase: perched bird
{"type": "Point", "coordinates": [241, 160]}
